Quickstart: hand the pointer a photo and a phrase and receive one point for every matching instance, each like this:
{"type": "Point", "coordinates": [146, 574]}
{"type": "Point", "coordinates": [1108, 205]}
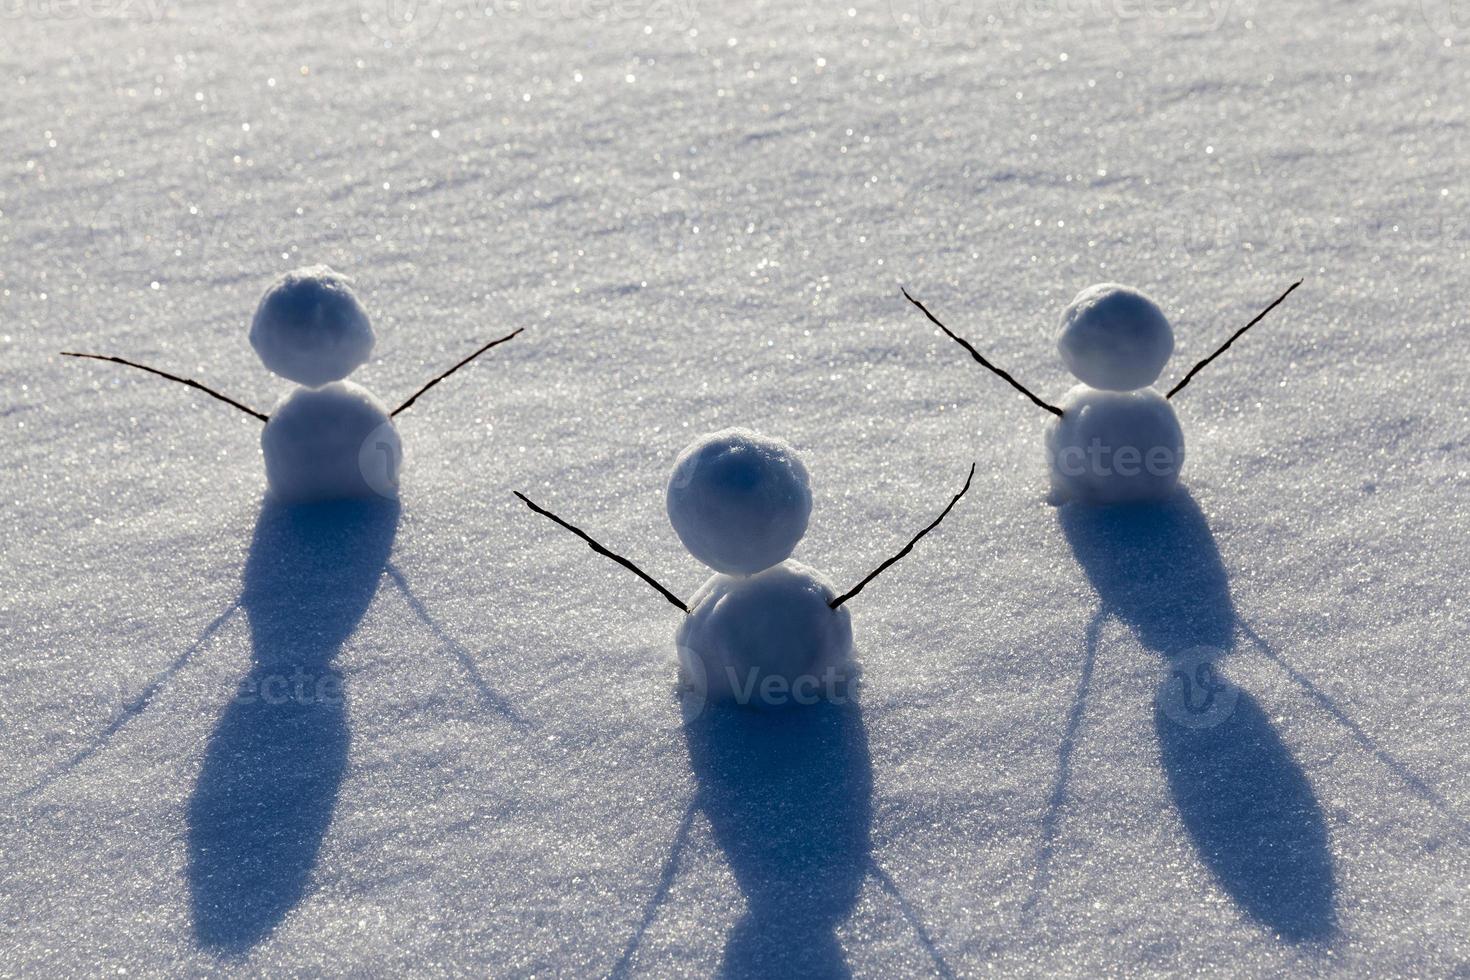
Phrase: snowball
{"type": "Point", "coordinates": [768, 640]}
{"type": "Point", "coordinates": [310, 328]}
{"type": "Point", "coordinates": [331, 442]}
{"type": "Point", "coordinates": [1114, 446]}
{"type": "Point", "coordinates": [739, 501]}
{"type": "Point", "coordinates": [1115, 338]}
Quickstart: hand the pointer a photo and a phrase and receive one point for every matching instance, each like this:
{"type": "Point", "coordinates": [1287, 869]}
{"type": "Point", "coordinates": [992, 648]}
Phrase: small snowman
{"type": "Point", "coordinates": [765, 631]}
{"type": "Point", "coordinates": [1114, 438]}
{"type": "Point", "coordinates": [329, 438]}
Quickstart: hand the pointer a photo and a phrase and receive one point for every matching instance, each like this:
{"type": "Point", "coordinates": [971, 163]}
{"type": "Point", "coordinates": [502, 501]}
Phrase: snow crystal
{"type": "Point", "coordinates": [723, 240]}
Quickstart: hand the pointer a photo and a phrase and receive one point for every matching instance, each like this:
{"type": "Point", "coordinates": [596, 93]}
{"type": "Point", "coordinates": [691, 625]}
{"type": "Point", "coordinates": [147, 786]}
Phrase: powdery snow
{"type": "Point", "coordinates": [702, 215]}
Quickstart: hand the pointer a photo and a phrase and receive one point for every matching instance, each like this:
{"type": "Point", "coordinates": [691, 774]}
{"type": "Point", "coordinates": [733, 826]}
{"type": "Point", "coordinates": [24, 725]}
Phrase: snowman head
{"type": "Point", "coordinates": [1115, 338]}
{"type": "Point", "coordinates": [739, 500]}
{"type": "Point", "coordinates": [310, 328]}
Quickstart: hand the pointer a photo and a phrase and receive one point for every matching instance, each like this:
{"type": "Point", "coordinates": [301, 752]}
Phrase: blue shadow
{"type": "Point", "coordinates": [274, 764]}
{"type": "Point", "coordinates": [789, 799]}
{"type": "Point", "coordinates": [1254, 819]}
{"type": "Point", "coordinates": [1156, 567]}
{"type": "Point", "coordinates": [1244, 800]}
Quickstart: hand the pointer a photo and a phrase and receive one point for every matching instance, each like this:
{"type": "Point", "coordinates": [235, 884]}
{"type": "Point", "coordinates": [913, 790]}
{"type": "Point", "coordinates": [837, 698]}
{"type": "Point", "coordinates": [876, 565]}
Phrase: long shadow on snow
{"type": "Point", "coordinates": [274, 764]}
{"type": "Point", "coordinates": [1243, 798]}
{"type": "Point", "coordinates": [789, 798]}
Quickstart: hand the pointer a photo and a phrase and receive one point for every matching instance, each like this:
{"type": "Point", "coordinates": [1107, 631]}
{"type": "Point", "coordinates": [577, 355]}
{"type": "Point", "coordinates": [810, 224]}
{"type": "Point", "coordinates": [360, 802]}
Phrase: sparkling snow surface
{"type": "Point", "coordinates": [444, 736]}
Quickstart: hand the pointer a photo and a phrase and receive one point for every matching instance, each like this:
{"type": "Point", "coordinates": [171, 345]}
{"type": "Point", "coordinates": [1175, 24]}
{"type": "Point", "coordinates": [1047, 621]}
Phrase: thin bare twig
{"type": "Point", "coordinates": [980, 358]}
{"type": "Point", "coordinates": [603, 551]}
{"type": "Point", "coordinates": [172, 377]}
{"type": "Point", "coordinates": [414, 397]}
{"type": "Point", "coordinates": [906, 548]}
{"type": "Point", "coordinates": [1233, 338]}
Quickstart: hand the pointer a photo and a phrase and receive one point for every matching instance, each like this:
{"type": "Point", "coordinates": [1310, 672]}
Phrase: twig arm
{"type": "Point", "coordinates": [1233, 338]}
{"type": "Point", "coordinates": [414, 397]}
{"type": "Point", "coordinates": [980, 359]}
{"type": "Point", "coordinates": [906, 548]}
{"type": "Point", "coordinates": [173, 377]}
{"type": "Point", "coordinates": [603, 551]}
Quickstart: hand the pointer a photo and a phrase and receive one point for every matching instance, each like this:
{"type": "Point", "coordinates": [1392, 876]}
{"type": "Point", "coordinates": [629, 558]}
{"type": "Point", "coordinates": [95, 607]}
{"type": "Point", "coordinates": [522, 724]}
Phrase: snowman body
{"type": "Point", "coordinates": [1118, 438]}
{"type": "Point", "coordinates": [329, 438]}
{"type": "Point", "coordinates": [761, 631]}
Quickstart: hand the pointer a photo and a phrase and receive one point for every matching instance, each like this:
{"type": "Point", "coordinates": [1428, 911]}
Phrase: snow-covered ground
{"type": "Point", "coordinates": [702, 213]}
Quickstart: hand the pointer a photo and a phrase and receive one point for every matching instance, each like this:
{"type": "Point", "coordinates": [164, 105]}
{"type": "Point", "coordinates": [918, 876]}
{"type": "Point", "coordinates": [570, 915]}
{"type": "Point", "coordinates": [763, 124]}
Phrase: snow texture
{"type": "Point", "coordinates": [1115, 338]}
{"type": "Point", "coordinates": [702, 214]}
{"type": "Point", "coordinates": [739, 501]}
{"type": "Point", "coordinates": [1114, 446]}
{"type": "Point", "coordinates": [332, 442]}
{"type": "Point", "coordinates": [769, 640]}
{"type": "Point", "coordinates": [310, 327]}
